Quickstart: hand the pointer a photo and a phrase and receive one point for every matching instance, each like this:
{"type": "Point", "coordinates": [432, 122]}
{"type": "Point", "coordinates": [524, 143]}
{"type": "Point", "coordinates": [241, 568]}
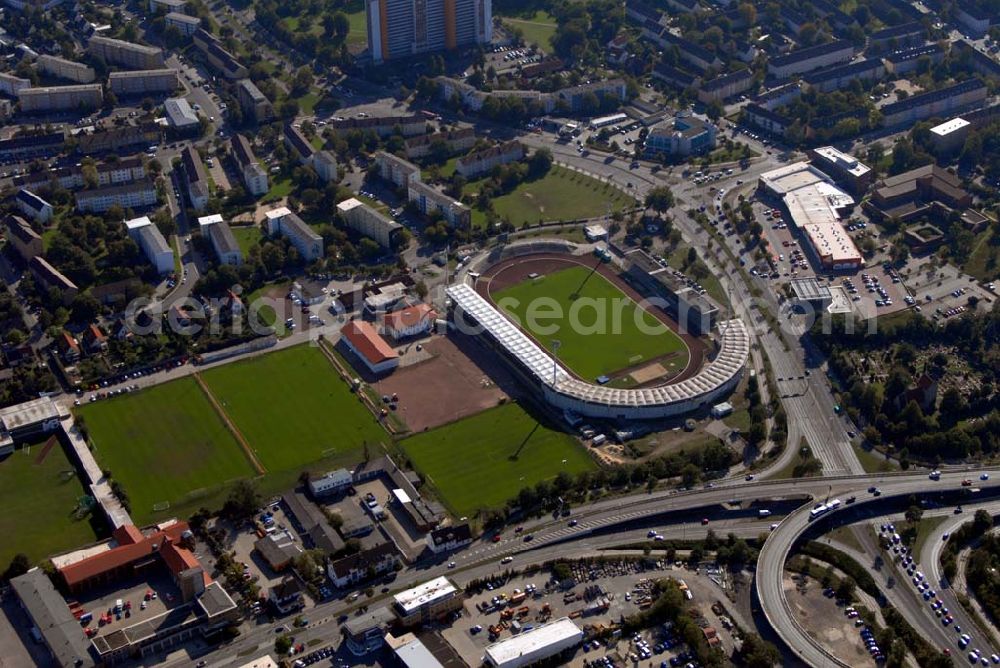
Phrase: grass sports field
{"type": "Point", "coordinates": [469, 462]}
{"type": "Point", "coordinates": [562, 194]}
{"type": "Point", "coordinates": [162, 444]}
{"type": "Point", "coordinates": [603, 343]}
{"type": "Point", "coordinates": [38, 497]}
{"type": "Point", "coordinates": [537, 27]}
{"type": "Point", "coordinates": [293, 408]}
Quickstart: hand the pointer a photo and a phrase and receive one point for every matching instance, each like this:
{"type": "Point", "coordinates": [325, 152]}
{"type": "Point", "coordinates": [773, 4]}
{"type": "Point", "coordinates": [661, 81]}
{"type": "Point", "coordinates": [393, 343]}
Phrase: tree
{"type": "Point", "coordinates": [660, 199]}
{"type": "Point", "coordinates": [282, 644]}
{"type": "Point", "coordinates": [758, 653]}
{"type": "Point", "coordinates": [19, 565]}
{"type": "Point", "coordinates": [243, 501]}
{"type": "Point", "coordinates": [540, 163]}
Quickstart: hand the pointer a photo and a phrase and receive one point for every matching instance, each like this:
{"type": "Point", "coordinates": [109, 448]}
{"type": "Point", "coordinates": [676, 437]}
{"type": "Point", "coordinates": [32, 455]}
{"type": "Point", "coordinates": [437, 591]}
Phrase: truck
{"type": "Point", "coordinates": [517, 597]}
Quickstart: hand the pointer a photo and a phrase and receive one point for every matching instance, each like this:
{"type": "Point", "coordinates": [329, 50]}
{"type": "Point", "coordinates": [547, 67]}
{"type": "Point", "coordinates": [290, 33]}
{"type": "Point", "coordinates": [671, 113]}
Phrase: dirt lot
{"type": "Point", "coordinates": [825, 621]}
{"type": "Point", "coordinates": [458, 380]}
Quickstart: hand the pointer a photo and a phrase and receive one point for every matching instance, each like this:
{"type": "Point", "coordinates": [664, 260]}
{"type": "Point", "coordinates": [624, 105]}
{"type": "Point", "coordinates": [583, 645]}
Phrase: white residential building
{"type": "Point", "coordinates": [283, 222]}
{"type": "Point", "coordinates": [223, 242]}
{"type": "Point", "coordinates": [365, 220]}
{"type": "Point", "coordinates": [148, 237]}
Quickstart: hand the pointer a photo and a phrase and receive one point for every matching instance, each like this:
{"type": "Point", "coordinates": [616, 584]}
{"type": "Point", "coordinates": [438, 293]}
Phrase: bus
{"type": "Point", "coordinates": [824, 508]}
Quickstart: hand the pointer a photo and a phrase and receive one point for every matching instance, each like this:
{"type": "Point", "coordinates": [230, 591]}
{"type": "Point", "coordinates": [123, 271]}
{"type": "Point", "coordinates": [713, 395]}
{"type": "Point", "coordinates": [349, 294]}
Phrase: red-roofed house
{"type": "Point", "coordinates": [362, 340]}
{"type": "Point", "coordinates": [94, 340]}
{"type": "Point", "coordinates": [410, 321]}
{"type": "Point", "coordinates": [69, 348]}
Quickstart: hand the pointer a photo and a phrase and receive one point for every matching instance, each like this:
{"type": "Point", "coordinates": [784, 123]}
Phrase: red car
{"type": "Point", "coordinates": [496, 538]}
{"type": "Point", "coordinates": [704, 521]}
{"type": "Point", "coordinates": [966, 483]}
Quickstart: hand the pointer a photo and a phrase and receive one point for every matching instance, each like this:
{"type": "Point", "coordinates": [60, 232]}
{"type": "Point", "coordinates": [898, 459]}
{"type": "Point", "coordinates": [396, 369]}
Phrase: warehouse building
{"type": "Point", "coordinates": [366, 221]}
{"type": "Point", "coordinates": [815, 205]}
{"type": "Point", "coordinates": [81, 97]}
{"type": "Point", "coordinates": [530, 647]}
{"type": "Point", "coordinates": [223, 242]}
{"type": "Point", "coordinates": [409, 652]}
{"type": "Point", "coordinates": [142, 82]}
{"type": "Point", "coordinates": [148, 237]}
{"type": "Point", "coordinates": [126, 54]}
{"type": "Point", "coordinates": [65, 69]}
{"type": "Point", "coordinates": [283, 222]}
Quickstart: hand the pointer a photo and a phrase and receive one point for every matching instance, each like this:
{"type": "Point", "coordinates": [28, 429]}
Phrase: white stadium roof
{"type": "Point", "coordinates": [730, 360]}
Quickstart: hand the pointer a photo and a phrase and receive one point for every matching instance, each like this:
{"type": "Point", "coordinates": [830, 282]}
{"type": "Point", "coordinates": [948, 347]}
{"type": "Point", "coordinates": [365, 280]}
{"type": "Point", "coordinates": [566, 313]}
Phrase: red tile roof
{"type": "Point", "coordinates": [127, 534]}
{"type": "Point", "coordinates": [122, 555]}
{"type": "Point", "coordinates": [367, 341]}
{"type": "Point", "coordinates": [177, 558]}
{"type": "Point", "coordinates": [410, 316]}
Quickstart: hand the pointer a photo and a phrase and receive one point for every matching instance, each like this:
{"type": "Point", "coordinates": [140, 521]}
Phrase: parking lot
{"type": "Point", "coordinates": [505, 58]}
{"type": "Point", "coordinates": [137, 600]}
{"type": "Point", "coordinates": [944, 292]}
{"type": "Point", "coordinates": [603, 594]}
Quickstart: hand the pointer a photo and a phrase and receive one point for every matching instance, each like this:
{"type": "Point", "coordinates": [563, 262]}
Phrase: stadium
{"type": "Point", "coordinates": [695, 373]}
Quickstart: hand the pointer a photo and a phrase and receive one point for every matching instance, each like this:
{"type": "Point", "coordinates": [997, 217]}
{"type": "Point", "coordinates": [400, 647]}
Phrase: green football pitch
{"type": "Point", "coordinates": [39, 491]}
{"type": "Point", "coordinates": [600, 329]}
{"type": "Point", "coordinates": [165, 445]}
{"type": "Point", "coordinates": [293, 409]}
{"type": "Point", "coordinates": [484, 460]}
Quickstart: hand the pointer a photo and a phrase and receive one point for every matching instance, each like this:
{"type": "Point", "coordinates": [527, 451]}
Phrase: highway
{"type": "Point", "coordinates": [770, 564]}
{"type": "Point", "coordinates": [617, 521]}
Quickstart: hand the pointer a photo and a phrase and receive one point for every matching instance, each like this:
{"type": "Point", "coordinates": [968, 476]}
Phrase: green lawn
{"type": "Point", "coordinates": [280, 187]}
{"type": "Point", "coordinates": [537, 28]}
{"type": "Point", "coordinates": [164, 444]}
{"type": "Point", "coordinates": [984, 261]}
{"type": "Point", "coordinates": [562, 194]}
{"type": "Point", "coordinates": [293, 409]}
{"type": "Point", "coordinates": [247, 236]}
{"type": "Point", "coordinates": [38, 501]}
{"type": "Point", "coordinates": [611, 331]}
{"type": "Point", "coordinates": [359, 26]}
{"type": "Point", "coordinates": [472, 465]}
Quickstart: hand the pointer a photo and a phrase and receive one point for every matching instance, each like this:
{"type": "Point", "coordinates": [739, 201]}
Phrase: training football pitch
{"type": "Point", "coordinates": [484, 460]}
{"type": "Point", "coordinates": [39, 490]}
{"type": "Point", "coordinates": [163, 444]}
{"type": "Point", "coordinates": [293, 409]}
{"type": "Point", "coordinates": [600, 329]}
